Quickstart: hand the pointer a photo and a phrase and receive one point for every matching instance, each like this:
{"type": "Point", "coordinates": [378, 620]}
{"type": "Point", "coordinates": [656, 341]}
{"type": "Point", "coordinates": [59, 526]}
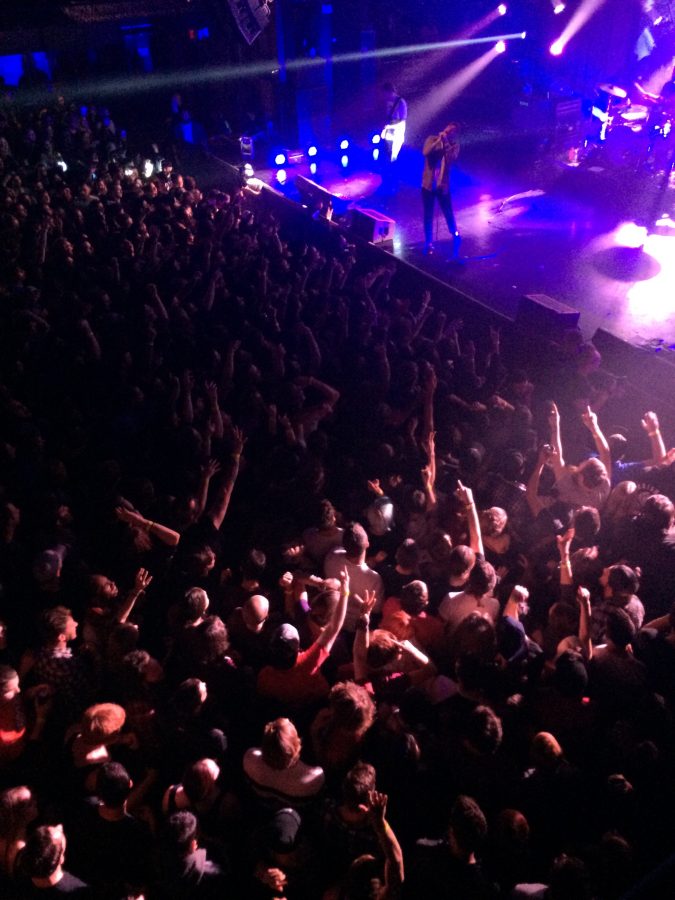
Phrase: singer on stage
{"type": "Point", "coordinates": [440, 151]}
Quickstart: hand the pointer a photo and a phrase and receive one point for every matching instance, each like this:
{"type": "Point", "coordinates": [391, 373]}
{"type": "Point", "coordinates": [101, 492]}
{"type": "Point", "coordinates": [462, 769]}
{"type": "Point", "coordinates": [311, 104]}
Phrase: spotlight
{"type": "Point", "coordinates": [312, 151]}
{"type": "Point", "coordinates": [376, 153]}
{"type": "Point", "coordinates": [500, 47]}
{"type": "Point", "coordinates": [281, 176]}
{"type": "Point", "coordinates": [501, 9]}
{"type": "Point", "coordinates": [375, 139]}
{"type": "Point", "coordinates": [558, 8]}
{"type": "Point", "coordinates": [248, 170]}
{"type": "Point", "coordinates": [344, 144]}
{"type": "Point", "coordinates": [280, 159]}
{"type": "Point", "coordinates": [344, 161]}
{"type": "Point", "coordinates": [556, 48]}
{"type": "Point", "coordinates": [312, 168]}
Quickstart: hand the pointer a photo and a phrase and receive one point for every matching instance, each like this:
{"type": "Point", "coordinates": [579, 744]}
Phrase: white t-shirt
{"type": "Point", "coordinates": [288, 786]}
{"type": "Point", "coordinates": [455, 608]}
{"type": "Point", "coordinates": [361, 579]}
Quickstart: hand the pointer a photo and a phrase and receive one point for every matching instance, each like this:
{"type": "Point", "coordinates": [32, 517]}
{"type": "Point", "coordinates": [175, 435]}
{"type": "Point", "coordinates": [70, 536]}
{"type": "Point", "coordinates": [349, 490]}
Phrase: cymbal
{"type": "Point", "coordinates": [635, 113]}
{"type": "Point", "coordinates": [613, 90]}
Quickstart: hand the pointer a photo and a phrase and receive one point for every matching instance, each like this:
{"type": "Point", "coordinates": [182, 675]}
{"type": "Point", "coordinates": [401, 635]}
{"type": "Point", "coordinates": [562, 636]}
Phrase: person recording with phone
{"type": "Point", "coordinates": [440, 151]}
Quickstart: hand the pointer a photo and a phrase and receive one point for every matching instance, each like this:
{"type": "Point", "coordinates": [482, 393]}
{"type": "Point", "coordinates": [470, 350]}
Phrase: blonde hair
{"type": "Point", "coordinates": [102, 722]}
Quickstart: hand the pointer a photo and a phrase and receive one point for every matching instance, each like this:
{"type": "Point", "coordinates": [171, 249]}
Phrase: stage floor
{"type": "Point", "coordinates": [548, 229]}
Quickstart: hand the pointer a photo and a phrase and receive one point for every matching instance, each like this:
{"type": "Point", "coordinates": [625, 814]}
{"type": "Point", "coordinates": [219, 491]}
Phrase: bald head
{"type": "Point", "coordinates": [255, 611]}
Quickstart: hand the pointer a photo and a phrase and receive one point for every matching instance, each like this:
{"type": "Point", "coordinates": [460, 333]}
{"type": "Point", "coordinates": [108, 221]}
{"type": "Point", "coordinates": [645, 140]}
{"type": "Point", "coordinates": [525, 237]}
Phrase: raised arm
{"type": "Point", "coordinates": [546, 452]}
{"type": "Point", "coordinates": [584, 601]}
{"type": "Point", "coordinates": [141, 582]}
{"type": "Point", "coordinates": [590, 420]}
{"type": "Point", "coordinates": [222, 501]}
{"type": "Point", "coordinates": [394, 871]}
{"type": "Point", "coordinates": [162, 532]}
{"type": "Point", "coordinates": [362, 639]}
{"type": "Point", "coordinates": [429, 471]}
{"type": "Point", "coordinates": [650, 423]}
{"type": "Point", "coordinates": [465, 496]}
{"type": "Point", "coordinates": [557, 461]}
{"type": "Point", "coordinates": [329, 634]}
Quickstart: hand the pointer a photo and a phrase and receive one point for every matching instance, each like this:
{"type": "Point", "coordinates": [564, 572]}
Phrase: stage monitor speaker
{"type": "Point", "coordinates": [313, 195]}
{"type": "Point", "coordinates": [373, 226]}
{"type": "Point", "coordinates": [545, 313]}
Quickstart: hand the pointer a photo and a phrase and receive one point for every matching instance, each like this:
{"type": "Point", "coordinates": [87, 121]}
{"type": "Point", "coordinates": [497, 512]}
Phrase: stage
{"type": "Point", "coordinates": [530, 226]}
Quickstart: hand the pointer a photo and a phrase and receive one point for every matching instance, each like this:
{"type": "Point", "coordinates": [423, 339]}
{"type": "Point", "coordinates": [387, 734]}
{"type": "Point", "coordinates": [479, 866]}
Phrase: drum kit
{"type": "Point", "coordinates": [634, 135]}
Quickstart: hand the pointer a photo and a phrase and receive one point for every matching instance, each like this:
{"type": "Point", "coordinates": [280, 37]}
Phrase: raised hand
{"type": "Point", "coordinates": [590, 419]}
{"type": "Point", "coordinates": [650, 422]}
{"type": "Point", "coordinates": [142, 580]}
{"type": "Point", "coordinates": [377, 808]}
{"type": "Point", "coordinates": [464, 494]}
{"type": "Point", "coordinates": [553, 416]}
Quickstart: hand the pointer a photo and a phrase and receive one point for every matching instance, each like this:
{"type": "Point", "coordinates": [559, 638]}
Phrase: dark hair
{"type": "Point", "coordinates": [187, 698]}
{"type": "Point", "coordinates": [322, 606]}
{"type": "Point", "coordinates": [620, 629]}
{"type": "Point", "coordinates": [462, 559]}
{"type": "Point", "coordinates": [53, 622]}
{"type": "Point", "coordinates": [383, 649]}
{"type": "Point", "coordinates": [569, 879]}
{"type": "Point", "coordinates": [113, 784]}
{"type": "Point", "coordinates": [194, 604]}
{"type": "Point", "coordinates": [213, 641]}
{"type": "Point", "coordinates": [352, 705]}
{"type": "Point", "coordinates": [623, 581]}
{"type": "Point", "coordinates": [197, 780]}
{"type": "Point", "coordinates": [326, 514]}
{"type": "Point", "coordinates": [658, 512]}
{"type": "Point", "coordinates": [354, 539]}
{"type": "Point", "coordinates": [467, 824]}
{"type": "Point", "coordinates": [42, 854]}
{"type": "Point", "coordinates": [408, 554]}
{"type": "Point", "coordinates": [254, 565]}
{"type": "Point", "coordinates": [358, 783]}
{"type": "Point", "coordinates": [414, 597]}
{"type": "Point", "coordinates": [483, 730]}
{"type": "Point", "coordinates": [482, 578]}
{"type": "Point", "coordinates": [586, 566]}
{"type": "Point", "coordinates": [586, 525]}
{"type": "Point", "coordinates": [181, 831]}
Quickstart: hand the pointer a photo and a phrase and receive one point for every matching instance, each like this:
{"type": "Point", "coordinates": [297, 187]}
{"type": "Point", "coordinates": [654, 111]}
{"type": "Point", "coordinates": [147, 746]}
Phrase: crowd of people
{"type": "Point", "coordinates": [308, 589]}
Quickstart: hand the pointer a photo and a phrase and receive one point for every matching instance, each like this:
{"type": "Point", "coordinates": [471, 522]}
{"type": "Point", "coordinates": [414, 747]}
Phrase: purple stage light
{"type": "Point", "coordinates": [556, 48]}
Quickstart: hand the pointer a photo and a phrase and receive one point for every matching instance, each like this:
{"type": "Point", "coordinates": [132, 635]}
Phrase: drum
{"type": "Point", "coordinates": [626, 146]}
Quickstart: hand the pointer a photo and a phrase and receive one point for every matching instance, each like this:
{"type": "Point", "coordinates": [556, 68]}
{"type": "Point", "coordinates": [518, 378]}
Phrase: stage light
{"type": "Point", "coordinates": [630, 235]}
{"type": "Point", "coordinates": [344, 161]}
{"type": "Point", "coordinates": [376, 138]}
{"type": "Point", "coordinates": [558, 8]}
{"type": "Point", "coordinates": [312, 151]}
{"type": "Point", "coordinates": [248, 170]}
{"type": "Point", "coordinates": [501, 9]}
{"type": "Point", "coordinates": [344, 144]}
{"type": "Point", "coordinates": [556, 48]}
{"type": "Point", "coordinates": [280, 159]}
{"type": "Point", "coordinates": [281, 176]}
{"type": "Point", "coordinates": [500, 47]}
{"type": "Point", "coordinates": [312, 168]}
{"type": "Point", "coordinates": [376, 153]}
